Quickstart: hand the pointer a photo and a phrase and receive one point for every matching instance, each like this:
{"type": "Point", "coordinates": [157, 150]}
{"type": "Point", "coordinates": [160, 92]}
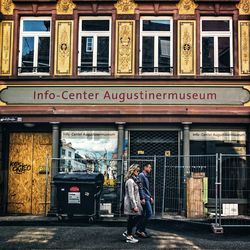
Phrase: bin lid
{"type": "Point", "coordinates": [76, 177]}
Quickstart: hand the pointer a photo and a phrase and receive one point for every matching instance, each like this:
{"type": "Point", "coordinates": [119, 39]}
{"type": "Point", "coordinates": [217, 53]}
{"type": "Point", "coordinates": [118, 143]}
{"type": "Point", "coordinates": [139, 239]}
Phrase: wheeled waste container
{"type": "Point", "coordinates": [78, 194]}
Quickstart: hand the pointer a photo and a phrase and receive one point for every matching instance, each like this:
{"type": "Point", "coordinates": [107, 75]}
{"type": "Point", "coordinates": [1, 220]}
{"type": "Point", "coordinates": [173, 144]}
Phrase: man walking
{"type": "Point", "coordinates": [146, 200]}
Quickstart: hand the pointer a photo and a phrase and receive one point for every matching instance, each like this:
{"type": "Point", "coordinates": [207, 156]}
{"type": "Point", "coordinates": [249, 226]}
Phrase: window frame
{"type": "Point", "coordinates": [216, 35]}
{"type": "Point", "coordinates": [156, 35]}
{"type": "Point", "coordinates": [95, 35]}
{"type": "Point", "coordinates": [35, 35]}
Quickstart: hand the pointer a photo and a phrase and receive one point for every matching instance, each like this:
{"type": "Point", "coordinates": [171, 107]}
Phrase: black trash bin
{"type": "Point", "coordinates": [78, 194]}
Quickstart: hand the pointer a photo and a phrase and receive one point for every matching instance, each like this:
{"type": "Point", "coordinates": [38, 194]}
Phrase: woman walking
{"type": "Point", "coordinates": [132, 202]}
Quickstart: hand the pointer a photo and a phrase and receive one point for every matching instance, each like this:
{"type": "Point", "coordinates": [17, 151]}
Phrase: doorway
{"type": "Point", "coordinates": [27, 173]}
{"type": "Point", "coordinates": [154, 147]}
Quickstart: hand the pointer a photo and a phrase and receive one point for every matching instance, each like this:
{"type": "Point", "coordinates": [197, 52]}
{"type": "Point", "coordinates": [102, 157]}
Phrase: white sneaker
{"type": "Point", "coordinates": [125, 234]}
{"type": "Point", "coordinates": [131, 239]}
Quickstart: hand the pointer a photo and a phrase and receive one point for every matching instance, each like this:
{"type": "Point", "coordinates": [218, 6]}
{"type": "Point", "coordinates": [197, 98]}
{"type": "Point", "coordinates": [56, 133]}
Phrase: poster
{"type": "Point", "coordinates": [91, 151]}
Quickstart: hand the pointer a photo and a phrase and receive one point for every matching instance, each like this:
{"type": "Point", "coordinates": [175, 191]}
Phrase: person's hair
{"type": "Point", "coordinates": [146, 164]}
{"type": "Point", "coordinates": [131, 171]}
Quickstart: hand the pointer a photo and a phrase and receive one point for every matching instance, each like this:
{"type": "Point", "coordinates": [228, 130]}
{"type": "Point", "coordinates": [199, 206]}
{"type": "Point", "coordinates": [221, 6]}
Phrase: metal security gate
{"type": "Point", "coordinates": [148, 144]}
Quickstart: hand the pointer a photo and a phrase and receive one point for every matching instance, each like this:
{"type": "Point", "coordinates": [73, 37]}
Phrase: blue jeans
{"type": "Point", "coordinates": [145, 217]}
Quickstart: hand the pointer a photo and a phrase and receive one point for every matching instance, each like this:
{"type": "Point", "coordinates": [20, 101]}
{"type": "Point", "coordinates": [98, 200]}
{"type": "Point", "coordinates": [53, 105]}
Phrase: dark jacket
{"type": "Point", "coordinates": [144, 190]}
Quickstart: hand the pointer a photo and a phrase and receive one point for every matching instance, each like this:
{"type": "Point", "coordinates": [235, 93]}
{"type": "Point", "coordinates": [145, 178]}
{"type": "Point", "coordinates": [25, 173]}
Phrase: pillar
{"type": "Point", "coordinates": [186, 160]}
{"type": "Point", "coordinates": [54, 165]}
{"type": "Point", "coordinates": [120, 164]}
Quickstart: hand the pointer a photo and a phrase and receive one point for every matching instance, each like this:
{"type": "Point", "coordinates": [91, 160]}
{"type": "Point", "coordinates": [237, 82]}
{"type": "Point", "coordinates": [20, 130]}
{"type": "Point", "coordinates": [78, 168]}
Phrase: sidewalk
{"type": "Point", "coordinates": [30, 220]}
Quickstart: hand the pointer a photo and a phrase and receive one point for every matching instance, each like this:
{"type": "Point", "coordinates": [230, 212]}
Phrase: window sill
{"type": "Point", "coordinates": [33, 74]}
{"type": "Point", "coordinates": [217, 74]}
{"type": "Point", "coordinates": [156, 74]}
{"type": "Point", "coordinates": [93, 74]}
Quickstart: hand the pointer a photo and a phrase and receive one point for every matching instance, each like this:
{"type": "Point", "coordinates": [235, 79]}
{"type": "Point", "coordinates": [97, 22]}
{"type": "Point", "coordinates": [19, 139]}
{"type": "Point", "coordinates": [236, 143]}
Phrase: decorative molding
{"type": "Point", "coordinates": [125, 42]}
{"type": "Point", "coordinates": [6, 47]}
{"type": "Point", "coordinates": [125, 6]}
{"type": "Point", "coordinates": [65, 7]}
{"type": "Point", "coordinates": [63, 47]}
{"type": "Point", "coordinates": [244, 7]}
{"type": "Point", "coordinates": [244, 47]}
{"type": "Point", "coordinates": [248, 89]}
{"type": "Point", "coordinates": [186, 47]}
{"type": "Point", "coordinates": [2, 87]}
{"type": "Point", "coordinates": [186, 7]}
{"type": "Point", "coordinates": [7, 7]}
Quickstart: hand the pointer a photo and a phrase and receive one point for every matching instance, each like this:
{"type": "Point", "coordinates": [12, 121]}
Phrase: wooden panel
{"type": "Point", "coordinates": [6, 47]}
{"type": "Point", "coordinates": [20, 173]}
{"type": "Point", "coordinates": [27, 172]}
{"type": "Point", "coordinates": [63, 47]}
{"type": "Point", "coordinates": [125, 39]}
{"type": "Point", "coordinates": [186, 47]}
{"type": "Point", "coordinates": [195, 206]}
{"type": "Point", "coordinates": [42, 148]}
{"type": "Point", "coordinates": [244, 47]}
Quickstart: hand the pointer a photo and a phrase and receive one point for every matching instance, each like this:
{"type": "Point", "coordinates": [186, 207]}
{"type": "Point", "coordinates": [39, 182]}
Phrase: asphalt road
{"type": "Point", "coordinates": [110, 237]}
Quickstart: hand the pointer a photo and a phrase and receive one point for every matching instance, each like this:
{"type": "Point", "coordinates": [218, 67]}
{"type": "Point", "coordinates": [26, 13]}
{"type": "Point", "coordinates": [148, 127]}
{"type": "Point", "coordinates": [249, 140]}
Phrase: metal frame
{"type": "Point", "coordinates": [214, 172]}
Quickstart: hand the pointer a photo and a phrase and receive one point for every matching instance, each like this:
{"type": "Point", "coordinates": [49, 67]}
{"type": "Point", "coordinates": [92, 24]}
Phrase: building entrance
{"type": "Point", "coordinates": [27, 172]}
{"type": "Point", "coordinates": [146, 145]}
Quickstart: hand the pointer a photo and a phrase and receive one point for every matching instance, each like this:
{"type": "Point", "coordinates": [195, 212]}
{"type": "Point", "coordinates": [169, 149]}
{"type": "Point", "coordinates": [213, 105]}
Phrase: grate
{"type": "Point", "coordinates": [152, 143]}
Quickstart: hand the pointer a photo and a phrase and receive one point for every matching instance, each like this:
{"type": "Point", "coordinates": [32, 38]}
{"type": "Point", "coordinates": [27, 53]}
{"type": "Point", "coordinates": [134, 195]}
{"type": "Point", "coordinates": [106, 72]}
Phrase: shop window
{"type": "Point", "coordinates": [34, 46]}
{"type": "Point", "coordinates": [216, 46]}
{"type": "Point", "coordinates": [94, 46]}
{"type": "Point", "coordinates": [156, 45]}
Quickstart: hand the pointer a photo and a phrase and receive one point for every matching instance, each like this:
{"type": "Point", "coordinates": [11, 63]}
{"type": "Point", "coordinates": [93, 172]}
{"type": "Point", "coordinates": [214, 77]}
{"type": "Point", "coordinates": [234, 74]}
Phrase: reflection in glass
{"type": "Point", "coordinates": [36, 25]}
{"type": "Point", "coordinates": [148, 54]}
{"type": "Point", "coordinates": [28, 54]}
{"type": "Point", "coordinates": [95, 25]}
{"type": "Point", "coordinates": [207, 54]}
{"type": "Point", "coordinates": [86, 55]}
{"type": "Point", "coordinates": [43, 54]}
{"type": "Point", "coordinates": [103, 54]}
{"type": "Point", "coordinates": [164, 54]}
{"type": "Point", "coordinates": [156, 25]}
{"type": "Point", "coordinates": [210, 25]}
{"type": "Point", "coordinates": [224, 54]}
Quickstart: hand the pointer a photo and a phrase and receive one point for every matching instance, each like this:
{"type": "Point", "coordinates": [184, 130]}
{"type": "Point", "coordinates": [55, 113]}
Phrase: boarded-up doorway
{"type": "Point", "coordinates": [27, 172]}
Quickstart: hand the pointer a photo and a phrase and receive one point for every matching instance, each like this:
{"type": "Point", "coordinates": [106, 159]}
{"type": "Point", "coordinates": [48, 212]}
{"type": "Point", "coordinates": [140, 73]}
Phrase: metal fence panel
{"type": "Point", "coordinates": [204, 188]}
{"type": "Point", "coordinates": [234, 195]}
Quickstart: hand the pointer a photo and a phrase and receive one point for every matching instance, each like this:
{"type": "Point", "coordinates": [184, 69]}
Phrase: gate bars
{"type": "Point", "coordinates": [212, 189]}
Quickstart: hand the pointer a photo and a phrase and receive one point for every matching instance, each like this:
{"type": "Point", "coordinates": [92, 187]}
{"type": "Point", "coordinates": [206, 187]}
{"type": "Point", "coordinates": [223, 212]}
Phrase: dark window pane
{"type": "Point", "coordinates": [87, 54]}
{"type": "Point", "coordinates": [28, 54]}
{"type": "Point", "coordinates": [95, 25]}
{"type": "Point", "coordinates": [164, 54]}
{"type": "Point", "coordinates": [156, 25]}
{"type": "Point", "coordinates": [215, 25]}
{"type": "Point", "coordinates": [38, 25]}
{"type": "Point", "coordinates": [224, 54]}
{"type": "Point", "coordinates": [43, 54]}
{"type": "Point", "coordinates": [207, 54]}
{"type": "Point", "coordinates": [103, 54]}
{"type": "Point", "coordinates": [148, 54]}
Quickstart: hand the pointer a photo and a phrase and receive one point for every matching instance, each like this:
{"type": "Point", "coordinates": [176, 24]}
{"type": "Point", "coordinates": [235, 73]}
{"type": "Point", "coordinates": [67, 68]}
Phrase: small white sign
{"type": "Point", "coordinates": [74, 198]}
{"type": "Point", "coordinates": [230, 209]}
